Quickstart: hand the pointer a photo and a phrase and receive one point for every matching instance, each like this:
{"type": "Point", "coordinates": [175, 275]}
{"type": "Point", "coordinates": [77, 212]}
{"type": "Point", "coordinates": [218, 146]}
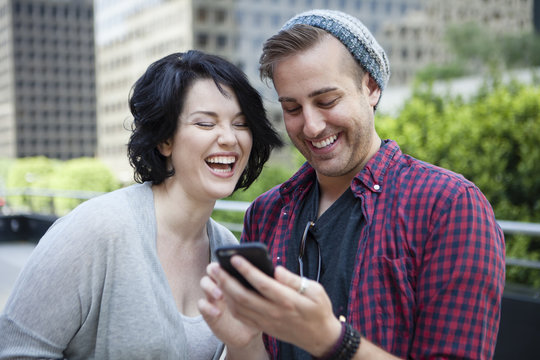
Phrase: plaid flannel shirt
{"type": "Point", "coordinates": [430, 262]}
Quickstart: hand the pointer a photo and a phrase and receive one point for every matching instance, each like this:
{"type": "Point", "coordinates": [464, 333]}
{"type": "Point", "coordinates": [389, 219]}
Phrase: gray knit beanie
{"type": "Point", "coordinates": [354, 35]}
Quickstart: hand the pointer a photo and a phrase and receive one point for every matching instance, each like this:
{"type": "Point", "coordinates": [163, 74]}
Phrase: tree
{"type": "Point", "coordinates": [491, 140]}
{"type": "Point", "coordinates": [28, 174]}
{"type": "Point", "coordinates": [88, 175]}
{"type": "Point", "coordinates": [271, 176]}
{"type": "Point", "coordinates": [42, 174]}
{"type": "Point", "coordinates": [476, 50]}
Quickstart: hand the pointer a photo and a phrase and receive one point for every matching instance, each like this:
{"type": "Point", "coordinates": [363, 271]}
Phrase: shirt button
{"type": "Point", "coordinates": [376, 186]}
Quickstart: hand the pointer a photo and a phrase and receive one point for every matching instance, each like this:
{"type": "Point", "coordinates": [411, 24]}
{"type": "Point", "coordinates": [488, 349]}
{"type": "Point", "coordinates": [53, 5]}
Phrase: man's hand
{"type": "Point", "coordinates": [304, 319]}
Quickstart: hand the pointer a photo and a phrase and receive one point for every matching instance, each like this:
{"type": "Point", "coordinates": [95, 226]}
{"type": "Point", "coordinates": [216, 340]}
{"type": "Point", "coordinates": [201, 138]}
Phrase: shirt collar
{"type": "Point", "coordinates": [370, 177]}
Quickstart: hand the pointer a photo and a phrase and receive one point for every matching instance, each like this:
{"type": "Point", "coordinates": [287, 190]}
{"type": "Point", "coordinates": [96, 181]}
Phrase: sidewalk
{"type": "Point", "coordinates": [13, 256]}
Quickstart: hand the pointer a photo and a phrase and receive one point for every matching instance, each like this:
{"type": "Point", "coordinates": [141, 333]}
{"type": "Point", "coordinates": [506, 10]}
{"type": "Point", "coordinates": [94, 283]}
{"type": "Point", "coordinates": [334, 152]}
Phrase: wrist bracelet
{"type": "Point", "coordinates": [346, 346]}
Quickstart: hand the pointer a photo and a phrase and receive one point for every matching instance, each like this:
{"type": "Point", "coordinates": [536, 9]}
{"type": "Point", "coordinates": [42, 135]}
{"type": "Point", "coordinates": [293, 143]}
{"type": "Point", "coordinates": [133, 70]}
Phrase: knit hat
{"type": "Point", "coordinates": [354, 35]}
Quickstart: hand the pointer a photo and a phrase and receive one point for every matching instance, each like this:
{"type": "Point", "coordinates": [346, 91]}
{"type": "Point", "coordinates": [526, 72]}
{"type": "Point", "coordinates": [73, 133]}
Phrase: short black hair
{"type": "Point", "coordinates": [157, 99]}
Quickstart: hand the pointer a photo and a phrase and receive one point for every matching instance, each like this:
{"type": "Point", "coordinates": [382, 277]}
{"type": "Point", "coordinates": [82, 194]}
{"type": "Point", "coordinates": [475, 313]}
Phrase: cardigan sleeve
{"type": "Point", "coordinates": [46, 307]}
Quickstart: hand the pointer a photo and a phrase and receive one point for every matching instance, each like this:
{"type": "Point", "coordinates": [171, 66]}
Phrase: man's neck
{"type": "Point", "coordinates": [331, 188]}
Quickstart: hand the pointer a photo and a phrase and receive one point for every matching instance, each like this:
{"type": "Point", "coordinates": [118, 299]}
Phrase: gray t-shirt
{"type": "Point", "coordinates": [201, 342]}
{"type": "Point", "coordinates": [94, 287]}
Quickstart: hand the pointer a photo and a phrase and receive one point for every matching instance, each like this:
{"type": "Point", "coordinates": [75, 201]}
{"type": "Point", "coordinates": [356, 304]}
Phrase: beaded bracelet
{"type": "Point", "coordinates": [346, 345]}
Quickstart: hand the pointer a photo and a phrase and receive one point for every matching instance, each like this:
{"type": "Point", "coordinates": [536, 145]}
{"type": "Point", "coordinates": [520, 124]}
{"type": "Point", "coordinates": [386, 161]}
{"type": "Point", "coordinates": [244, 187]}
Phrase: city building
{"type": "Point", "coordinates": [47, 79]}
{"type": "Point", "coordinates": [257, 20]}
{"type": "Point", "coordinates": [130, 35]}
{"type": "Point", "coordinates": [64, 87]}
{"type": "Point", "coordinates": [418, 39]}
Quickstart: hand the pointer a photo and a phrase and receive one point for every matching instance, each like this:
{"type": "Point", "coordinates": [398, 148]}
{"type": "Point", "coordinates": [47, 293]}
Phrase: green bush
{"type": "Point", "coordinates": [492, 140]}
{"type": "Point", "coordinates": [271, 176]}
{"type": "Point", "coordinates": [43, 174]}
{"type": "Point", "coordinates": [82, 174]}
{"type": "Point", "coordinates": [27, 174]}
{"type": "Point", "coordinates": [477, 50]}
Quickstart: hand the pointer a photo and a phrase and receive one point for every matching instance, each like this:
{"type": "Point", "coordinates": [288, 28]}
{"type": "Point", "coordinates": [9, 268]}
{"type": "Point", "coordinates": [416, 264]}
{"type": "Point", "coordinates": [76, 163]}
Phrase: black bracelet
{"type": "Point", "coordinates": [346, 346]}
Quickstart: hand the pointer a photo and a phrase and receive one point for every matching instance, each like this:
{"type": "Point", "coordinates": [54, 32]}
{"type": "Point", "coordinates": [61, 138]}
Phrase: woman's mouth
{"type": "Point", "coordinates": [221, 164]}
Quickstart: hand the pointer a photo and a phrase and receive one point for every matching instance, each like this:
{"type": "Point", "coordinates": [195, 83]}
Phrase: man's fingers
{"type": "Point", "coordinates": [209, 312]}
{"type": "Point", "coordinates": [211, 290]}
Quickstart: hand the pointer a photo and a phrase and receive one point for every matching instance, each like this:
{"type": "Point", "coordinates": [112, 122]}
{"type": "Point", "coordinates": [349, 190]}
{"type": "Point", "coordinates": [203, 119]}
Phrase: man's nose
{"type": "Point", "coordinates": [314, 123]}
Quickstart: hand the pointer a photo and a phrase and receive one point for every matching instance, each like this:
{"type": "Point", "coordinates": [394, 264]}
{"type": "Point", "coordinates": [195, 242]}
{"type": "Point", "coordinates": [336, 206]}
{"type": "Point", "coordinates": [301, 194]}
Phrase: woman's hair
{"type": "Point", "coordinates": [290, 42]}
{"type": "Point", "coordinates": [157, 99]}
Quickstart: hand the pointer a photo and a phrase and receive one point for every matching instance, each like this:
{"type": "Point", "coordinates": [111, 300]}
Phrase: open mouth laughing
{"type": "Point", "coordinates": [221, 164]}
{"type": "Point", "coordinates": [325, 142]}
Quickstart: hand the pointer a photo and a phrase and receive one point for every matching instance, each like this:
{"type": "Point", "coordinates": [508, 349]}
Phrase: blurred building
{"type": "Point", "coordinates": [257, 20]}
{"type": "Point", "coordinates": [55, 100]}
{"type": "Point", "coordinates": [130, 35]}
{"type": "Point", "coordinates": [47, 79]}
{"type": "Point", "coordinates": [417, 40]}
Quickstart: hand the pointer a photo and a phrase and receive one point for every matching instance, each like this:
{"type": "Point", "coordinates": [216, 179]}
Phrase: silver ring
{"type": "Point", "coordinates": [303, 286]}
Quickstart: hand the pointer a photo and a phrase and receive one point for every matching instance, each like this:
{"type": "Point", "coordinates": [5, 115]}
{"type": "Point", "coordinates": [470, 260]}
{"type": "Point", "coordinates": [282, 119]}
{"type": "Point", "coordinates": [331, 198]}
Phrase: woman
{"type": "Point", "coordinates": [118, 277]}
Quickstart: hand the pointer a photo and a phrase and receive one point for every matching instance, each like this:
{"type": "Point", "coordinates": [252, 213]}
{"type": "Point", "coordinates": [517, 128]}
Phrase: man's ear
{"type": "Point", "coordinates": [165, 148]}
{"type": "Point", "coordinates": [373, 90]}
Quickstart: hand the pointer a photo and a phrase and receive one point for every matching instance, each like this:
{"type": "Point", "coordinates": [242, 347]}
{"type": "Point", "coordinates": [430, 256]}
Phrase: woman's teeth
{"type": "Point", "coordinates": [325, 142]}
{"type": "Point", "coordinates": [221, 163]}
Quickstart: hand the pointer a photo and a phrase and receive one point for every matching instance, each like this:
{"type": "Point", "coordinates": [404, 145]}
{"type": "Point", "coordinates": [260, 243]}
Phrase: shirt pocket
{"type": "Point", "coordinates": [392, 287]}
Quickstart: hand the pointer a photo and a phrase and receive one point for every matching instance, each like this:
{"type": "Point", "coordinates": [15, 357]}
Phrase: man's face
{"type": "Point", "coordinates": [328, 114]}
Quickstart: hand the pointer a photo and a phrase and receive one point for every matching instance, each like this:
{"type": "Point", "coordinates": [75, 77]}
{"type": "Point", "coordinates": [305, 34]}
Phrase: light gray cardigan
{"type": "Point", "coordinates": [94, 288]}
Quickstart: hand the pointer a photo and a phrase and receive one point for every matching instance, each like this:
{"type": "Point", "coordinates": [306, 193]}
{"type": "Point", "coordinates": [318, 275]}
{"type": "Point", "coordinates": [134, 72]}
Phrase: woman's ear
{"type": "Point", "coordinates": [373, 90]}
{"type": "Point", "coordinates": [165, 148]}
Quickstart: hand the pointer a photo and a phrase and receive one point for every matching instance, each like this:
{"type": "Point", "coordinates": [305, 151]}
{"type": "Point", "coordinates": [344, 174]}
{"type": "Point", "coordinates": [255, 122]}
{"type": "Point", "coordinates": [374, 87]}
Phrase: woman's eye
{"type": "Point", "coordinates": [205, 124]}
{"type": "Point", "coordinates": [242, 125]}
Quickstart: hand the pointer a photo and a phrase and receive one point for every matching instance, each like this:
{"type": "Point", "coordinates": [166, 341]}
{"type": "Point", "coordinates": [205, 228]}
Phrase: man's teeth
{"type": "Point", "coordinates": [221, 160]}
{"type": "Point", "coordinates": [325, 142]}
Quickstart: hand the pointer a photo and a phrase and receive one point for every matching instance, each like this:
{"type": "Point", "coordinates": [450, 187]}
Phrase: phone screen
{"type": "Point", "coordinates": [256, 253]}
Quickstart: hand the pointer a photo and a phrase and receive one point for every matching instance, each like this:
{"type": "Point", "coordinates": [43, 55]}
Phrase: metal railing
{"type": "Point", "coordinates": [508, 227]}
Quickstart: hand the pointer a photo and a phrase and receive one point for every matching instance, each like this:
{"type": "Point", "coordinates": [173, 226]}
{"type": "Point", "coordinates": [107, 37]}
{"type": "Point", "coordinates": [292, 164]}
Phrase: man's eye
{"type": "Point", "coordinates": [292, 110]}
{"type": "Point", "coordinates": [328, 103]}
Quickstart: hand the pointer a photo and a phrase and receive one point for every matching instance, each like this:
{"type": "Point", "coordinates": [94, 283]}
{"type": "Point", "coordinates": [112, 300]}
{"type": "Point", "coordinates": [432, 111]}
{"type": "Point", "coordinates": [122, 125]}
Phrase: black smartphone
{"type": "Point", "coordinates": [255, 252]}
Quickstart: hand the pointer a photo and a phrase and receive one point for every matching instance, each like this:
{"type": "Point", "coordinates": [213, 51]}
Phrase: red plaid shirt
{"type": "Point", "coordinates": [430, 262]}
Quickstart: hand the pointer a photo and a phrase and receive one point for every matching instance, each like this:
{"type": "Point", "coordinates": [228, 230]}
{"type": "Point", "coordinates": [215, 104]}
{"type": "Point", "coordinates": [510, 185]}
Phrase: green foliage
{"type": "Point", "coordinates": [492, 140]}
{"type": "Point", "coordinates": [82, 174]}
{"type": "Point", "coordinates": [472, 42]}
{"type": "Point", "coordinates": [27, 174]}
{"type": "Point", "coordinates": [271, 176]}
{"type": "Point", "coordinates": [5, 165]}
{"type": "Point", "coordinates": [41, 173]}
{"type": "Point", "coordinates": [441, 72]}
{"type": "Point", "coordinates": [521, 50]}
{"type": "Point", "coordinates": [476, 50]}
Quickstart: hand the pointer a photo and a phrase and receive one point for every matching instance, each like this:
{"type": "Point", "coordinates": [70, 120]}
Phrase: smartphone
{"type": "Point", "coordinates": [255, 252]}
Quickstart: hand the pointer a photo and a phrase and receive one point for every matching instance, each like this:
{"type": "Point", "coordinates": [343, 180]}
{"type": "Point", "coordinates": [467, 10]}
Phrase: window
{"type": "Point", "coordinates": [202, 15]}
{"type": "Point", "coordinates": [202, 40]}
{"type": "Point", "coordinates": [221, 41]}
{"type": "Point", "coordinates": [221, 16]}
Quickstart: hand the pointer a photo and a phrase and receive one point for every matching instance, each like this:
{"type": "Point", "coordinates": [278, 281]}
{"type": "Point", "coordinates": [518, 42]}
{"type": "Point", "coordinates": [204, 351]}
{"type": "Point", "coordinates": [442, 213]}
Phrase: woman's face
{"type": "Point", "coordinates": [212, 143]}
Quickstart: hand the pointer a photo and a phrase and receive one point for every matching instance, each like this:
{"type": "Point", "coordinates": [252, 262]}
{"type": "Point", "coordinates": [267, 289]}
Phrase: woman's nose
{"type": "Point", "coordinates": [227, 136]}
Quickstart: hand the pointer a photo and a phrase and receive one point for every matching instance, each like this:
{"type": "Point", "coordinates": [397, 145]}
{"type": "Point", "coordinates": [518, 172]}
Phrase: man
{"type": "Point", "coordinates": [403, 258]}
